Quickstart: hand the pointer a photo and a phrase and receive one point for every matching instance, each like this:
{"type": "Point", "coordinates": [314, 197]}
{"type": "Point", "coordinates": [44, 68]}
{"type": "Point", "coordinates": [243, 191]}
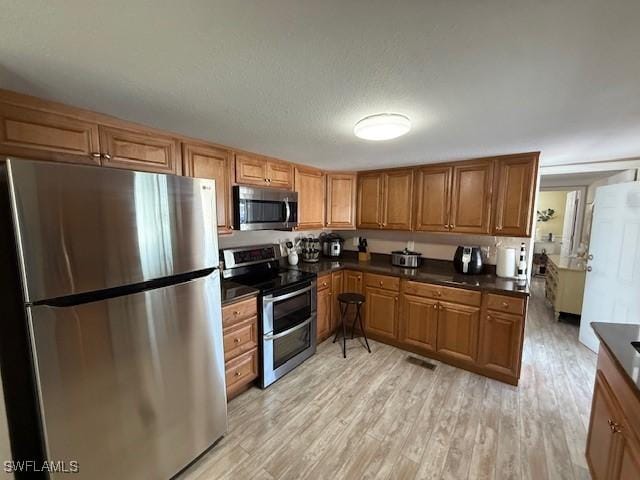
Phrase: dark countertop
{"type": "Point", "coordinates": [440, 272]}
{"type": "Point", "coordinates": [617, 337]}
{"type": "Point", "coordinates": [234, 292]}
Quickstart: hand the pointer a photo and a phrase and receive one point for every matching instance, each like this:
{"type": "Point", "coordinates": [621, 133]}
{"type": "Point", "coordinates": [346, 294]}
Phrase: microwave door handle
{"type": "Point", "coordinates": [291, 330]}
{"type": "Point", "coordinates": [287, 295]}
{"type": "Point", "coordinates": [288, 210]}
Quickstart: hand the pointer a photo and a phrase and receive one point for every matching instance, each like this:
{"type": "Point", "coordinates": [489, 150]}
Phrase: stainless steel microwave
{"type": "Point", "coordinates": [264, 208]}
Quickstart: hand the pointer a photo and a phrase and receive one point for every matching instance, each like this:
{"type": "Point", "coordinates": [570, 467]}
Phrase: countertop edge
{"type": "Point", "coordinates": [363, 268]}
{"type": "Point", "coordinates": [630, 382]}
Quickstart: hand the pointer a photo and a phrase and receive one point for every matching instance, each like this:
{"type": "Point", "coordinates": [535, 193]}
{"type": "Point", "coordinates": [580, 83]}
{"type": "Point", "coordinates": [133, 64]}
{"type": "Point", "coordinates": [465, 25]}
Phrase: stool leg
{"type": "Point", "coordinates": [344, 332]}
{"type": "Point", "coordinates": [362, 328]}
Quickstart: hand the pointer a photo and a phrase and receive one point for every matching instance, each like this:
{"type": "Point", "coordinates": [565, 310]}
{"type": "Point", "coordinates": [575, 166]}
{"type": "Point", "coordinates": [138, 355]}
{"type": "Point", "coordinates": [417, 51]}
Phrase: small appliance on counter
{"type": "Point", "coordinates": [310, 250]}
{"type": "Point", "coordinates": [468, 260]}
{"type": "Point", "coordinates": [331, 245]}
{"type": "Point", "coordinates": [406, 258]}
{"type": "Point", "coordinates": [363, 250]}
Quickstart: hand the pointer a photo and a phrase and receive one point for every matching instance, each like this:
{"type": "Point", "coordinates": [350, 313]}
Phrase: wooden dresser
{"type": "Point", "coordinates": [565, 284]}
{"type": "Point", "coordinates": [240, 331]}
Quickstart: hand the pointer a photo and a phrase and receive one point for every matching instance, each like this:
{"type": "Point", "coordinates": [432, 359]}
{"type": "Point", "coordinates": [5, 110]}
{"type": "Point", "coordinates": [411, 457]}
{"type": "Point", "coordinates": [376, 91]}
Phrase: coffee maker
{"type": "Point", "coordinates": [468, 260]}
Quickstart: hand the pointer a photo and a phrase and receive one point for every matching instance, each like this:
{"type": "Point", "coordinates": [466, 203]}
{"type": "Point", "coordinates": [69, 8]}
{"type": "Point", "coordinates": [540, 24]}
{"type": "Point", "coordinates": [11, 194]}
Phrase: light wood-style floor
{"type": "Point", "coordinates": [379, 416]}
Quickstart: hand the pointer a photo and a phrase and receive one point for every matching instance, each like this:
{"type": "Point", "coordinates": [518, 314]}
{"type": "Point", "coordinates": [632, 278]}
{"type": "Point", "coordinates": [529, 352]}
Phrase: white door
{"type": "Point", "coordinates": [612, 288]}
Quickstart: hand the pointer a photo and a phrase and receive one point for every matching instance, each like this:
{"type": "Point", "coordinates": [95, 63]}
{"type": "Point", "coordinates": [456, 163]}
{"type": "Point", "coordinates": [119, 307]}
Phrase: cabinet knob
{"type": "Point", "coordinates": [589, 269]}
{"type": "Point", "coordinates": [614, 426]}
{"type": "Point", "coordinates": [236, 340]}
{"type": "Point", "coordinates": [236, 312]}
{"type": "Point", "coordinates": [237, 374]}
{"type": "Point", "coordinates": [435, 306]}
{"type": "Point", "coordinates": [439, 293]}
{"type": "Point", "coordinates": [505, 304]}
{"type": "Point", "coordinates": [396, 299]}
{"type": "Point", "coordinates": [381, 283]}
{"type": "Point", "coordinates": [488, 317]}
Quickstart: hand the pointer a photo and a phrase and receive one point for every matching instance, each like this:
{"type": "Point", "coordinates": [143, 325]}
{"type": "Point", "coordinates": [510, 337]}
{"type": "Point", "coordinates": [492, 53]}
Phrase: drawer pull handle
{"type": "Point", "coordinates": [505, 304]}
{"type": "Point", "coordinates": [381, 282]}
{"type": "Point", "coordinates": [439, 293]}
{"type": "Point", "coordinates": [236, 340]}
{"type": "Point", "coordinates": [614, 426]}
{"type": "Point", "coordinates": [237, 374]}
{"type": "Point", "coordinates": [236, 312]}
{"type": "Point", "coordinates": [435, 306]}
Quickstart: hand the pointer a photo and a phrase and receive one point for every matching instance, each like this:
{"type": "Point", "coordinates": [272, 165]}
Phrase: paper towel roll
{"type": "Point", "coordinates": [506, 266]}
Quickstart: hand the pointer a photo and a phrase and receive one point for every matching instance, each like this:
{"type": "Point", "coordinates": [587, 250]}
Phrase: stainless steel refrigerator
{"type": "Point", "coordinates": [111, 309]}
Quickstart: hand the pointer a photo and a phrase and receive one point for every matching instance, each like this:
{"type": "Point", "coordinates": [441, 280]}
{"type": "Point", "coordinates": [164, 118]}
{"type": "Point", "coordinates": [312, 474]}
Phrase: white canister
{"type": "Point", "coordinates": [506, 266]}
{"type": "Point", "coordinates": [293, 258]}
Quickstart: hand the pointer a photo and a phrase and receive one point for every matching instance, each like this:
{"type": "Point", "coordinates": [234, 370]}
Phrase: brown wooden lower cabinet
{"type": "Point", "coordinates": [240, 340]}
{"type": "Point", "coordinates": [458, 327]}
{"type": "Point", "coordinates": [381, 312]}
{"type": "Point", "coordinates": [613, 441]}
{"type": "Point", "coordinates": [500, 342]}
{"type": "Point", "coordinates": [419, 322]}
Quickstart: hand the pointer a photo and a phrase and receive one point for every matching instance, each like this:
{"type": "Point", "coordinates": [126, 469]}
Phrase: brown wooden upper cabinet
{"type": "Point", "coordinates": [205, 161]}
{"type": "Point", "coordinates": [514, 191]}
{"type": "Point", "coordinates": [341, 201]}
{"type": "Point", "coordinates": [433, 198]}
{"type": "Point", "coordinates": [138, 150]}
{"type": "Point", "coordinates": [38, 134]}
{"type": "Point", "coordinates": [385, 200]}
{"type": "Point", "coordinates": [471, 197]}
{"type": "Point", "coordinates": [310, 185]}
{"type": "Point", "coordinates": [254, 170]}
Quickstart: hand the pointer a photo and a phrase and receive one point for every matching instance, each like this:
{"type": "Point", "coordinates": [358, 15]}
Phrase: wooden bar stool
{"type": "Point", "coordinates": [347, 299]}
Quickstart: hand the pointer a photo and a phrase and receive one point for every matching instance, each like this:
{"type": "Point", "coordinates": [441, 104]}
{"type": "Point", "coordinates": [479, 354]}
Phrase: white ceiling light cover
{"type": "Point", "coordinates": [382, 126]}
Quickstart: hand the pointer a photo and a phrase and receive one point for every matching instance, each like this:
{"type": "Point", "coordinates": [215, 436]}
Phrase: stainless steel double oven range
{"type": "Point", "coordinates": [287, 304]}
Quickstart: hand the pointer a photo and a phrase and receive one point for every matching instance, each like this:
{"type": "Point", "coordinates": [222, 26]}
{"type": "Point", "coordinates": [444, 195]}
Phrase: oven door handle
{"type": "Point", "coordinates": [291, 330]}
{"type": "Point", "coordinates": [287, 295]}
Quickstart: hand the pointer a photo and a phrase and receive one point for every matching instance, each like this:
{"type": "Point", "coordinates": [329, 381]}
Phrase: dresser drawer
{"type": "Point", "coordinates": [236, 312]}
{"type": "Point", "coordinates": [505, 304]}
{"type": "Point", "coordinates": [324, 281]}
{"type": "Point", "coordinates": [241, 370]}
{"type": "Point", "coordinates": [382, 281]}
{"type": "Point", "coordinates": [240, 338]}
{"type": "Point", "coordinates": [438, 292]}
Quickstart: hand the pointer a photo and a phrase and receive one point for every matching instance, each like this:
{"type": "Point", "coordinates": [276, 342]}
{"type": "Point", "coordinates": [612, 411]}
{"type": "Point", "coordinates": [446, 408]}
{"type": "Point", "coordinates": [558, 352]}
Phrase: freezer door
{"type": "Point", "coordinates": [83, 228]}
{"type": "Point", "coordinates": [132, 387]}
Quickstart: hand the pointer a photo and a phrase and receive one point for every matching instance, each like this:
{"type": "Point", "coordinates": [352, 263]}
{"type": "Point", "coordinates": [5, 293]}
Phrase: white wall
{"type": "Point", "coordinates": [5, 449]}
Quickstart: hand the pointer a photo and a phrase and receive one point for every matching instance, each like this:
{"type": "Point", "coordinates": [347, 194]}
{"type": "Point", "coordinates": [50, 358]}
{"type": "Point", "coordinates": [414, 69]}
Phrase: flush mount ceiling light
{"type": "Point", "coordinates": [382, 126]}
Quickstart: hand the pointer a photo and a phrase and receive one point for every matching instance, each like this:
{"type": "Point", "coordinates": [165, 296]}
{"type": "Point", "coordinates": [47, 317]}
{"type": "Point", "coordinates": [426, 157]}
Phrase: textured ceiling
{"type": "Point", "coordinates": [290, 78]}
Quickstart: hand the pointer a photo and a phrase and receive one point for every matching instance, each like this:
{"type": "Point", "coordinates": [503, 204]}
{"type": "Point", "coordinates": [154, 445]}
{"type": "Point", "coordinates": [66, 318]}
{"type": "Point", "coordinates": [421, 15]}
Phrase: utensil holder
{"type": "Point", "coordinates": [364, 256]}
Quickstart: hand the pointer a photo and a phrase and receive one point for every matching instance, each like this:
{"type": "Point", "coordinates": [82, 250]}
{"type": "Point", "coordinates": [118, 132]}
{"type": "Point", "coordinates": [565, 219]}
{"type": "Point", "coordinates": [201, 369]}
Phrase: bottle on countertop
{"type": "Point", "coordinates": [522, 263]}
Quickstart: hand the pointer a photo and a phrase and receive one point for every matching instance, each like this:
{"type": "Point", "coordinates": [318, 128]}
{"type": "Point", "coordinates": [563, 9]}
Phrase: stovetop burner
{"type": "Point", "coordinates": [276, 280]}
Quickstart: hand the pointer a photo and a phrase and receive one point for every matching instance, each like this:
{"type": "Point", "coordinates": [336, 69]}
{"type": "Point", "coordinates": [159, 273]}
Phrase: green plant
{"type": "Point", "coordinates": [545, 215]}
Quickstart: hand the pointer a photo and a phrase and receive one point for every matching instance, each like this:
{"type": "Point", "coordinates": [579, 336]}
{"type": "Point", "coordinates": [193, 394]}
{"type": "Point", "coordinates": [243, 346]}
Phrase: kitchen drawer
{"type": "Point", "coordinates": [382, 281]}
{"type": "Point", "coordinates": [439, 292]}
{"type": "Point", "coordinates": [236, 312]}
{"type": "Point", "coordinates": [240, 338]}
{"type": "Point", "coordinates": [241, 370]}
{"type": "Point", "coordinates": [324, 282]}
{"type": "Point", "coordinates": [505, 304]}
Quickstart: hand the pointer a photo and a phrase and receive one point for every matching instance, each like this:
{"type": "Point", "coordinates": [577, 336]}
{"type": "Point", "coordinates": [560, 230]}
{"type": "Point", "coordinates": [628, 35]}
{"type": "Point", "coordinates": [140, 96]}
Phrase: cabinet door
{"type": "Point", "coordinates": [336, 289]}
{"type": "Point", "coordinates": [433, 199]}
{"type": "Point", "coordinates": [381, 312]}
{"type": "Point", "coordinates": [471, 197]}
{"type": "Point", "coordinates": [458, 331]}
{"type": "Point", "coordinates": [138, 150]}
{"type": "Point", "coordinates": [370, 201]}
{"type": "Point", "coordinates": [251, 170]}
{"type": "Point", "coordinates": [419, 322]}
{"type": "Point", "coordinates": [310, 185]}
{"type": "Point", "coordinates": [397, 200]}
{"type": "Point", "coordinates": [514, 195]}
{"type": "Point", "coordinates": [628, 457]}
{"type": "Point", "coordinates": [341, 201]}
{"type": "Point", "coordinates": [500, 342]}
{"type": "Point", "coordinates": [323, 313]}
{"type": "Point", "coordinates": [601, 439]}
{"type": "Point", "coordinates": [42, 135]}
{"type": "Point", "coordinates": [280, 175]}
{"type": "Point", "coordinates": [203, 161]}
